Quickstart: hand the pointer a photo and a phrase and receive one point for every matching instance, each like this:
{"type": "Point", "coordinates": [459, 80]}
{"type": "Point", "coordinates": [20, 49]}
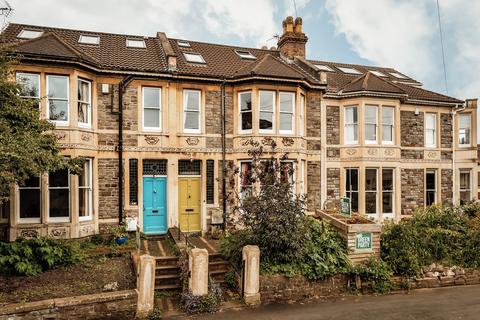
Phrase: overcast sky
{"type": "Point", "coordinates": [402, 34]}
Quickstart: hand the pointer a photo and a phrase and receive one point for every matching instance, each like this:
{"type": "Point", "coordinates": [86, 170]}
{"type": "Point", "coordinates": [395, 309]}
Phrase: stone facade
{"type": "Point", "coordinates": [447, 185]}
{"type": "Point", "coordinates": [333, 125]}
{"type": "Point", "coordinates": [412, 154]}
{"type": "Point", "coordinates": [213, 119]}
{"type": "Point", "coordinates": [445, 130]}
{"type": "Point", "coordinates": [313, 185]}
{"type": "Point", "coordinates": [412, 129]}
{"type": "Point", "coordinates": [108, 188]}
{"type": "Point", "coordinates": [313, 114]}
{"type": "Point", "coordinates": [333, 183]}
{"type": "Point", "coordinates": [107, 105]}
{"type": "Point", "coordinates": [412, 190]}
{"type": "Point", "coordinates": [333, 152]}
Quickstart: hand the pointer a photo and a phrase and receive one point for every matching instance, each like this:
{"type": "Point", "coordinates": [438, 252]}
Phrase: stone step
{"type": "Point", "coordinates": [167, 270]}
{"type": "Point", "coordinates": [166, 261]}
{"type": "Point", "coordinates": [213, 257]}
{"type": "Point", "coordinates": [167, 280]}
{"type": "Point", "coordinates": [168, 287]}
{"type": "Point", "coordinates": [218, 265]}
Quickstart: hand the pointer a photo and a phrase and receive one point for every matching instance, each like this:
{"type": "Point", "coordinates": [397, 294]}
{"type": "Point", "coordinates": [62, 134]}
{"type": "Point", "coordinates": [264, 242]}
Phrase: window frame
{"type": "Point", "coordinates": [5, 209]}
{"type": "Point", "coordinates": [69, 185]}
{"type": "Point", "coordinates": [353, 124]}
{"type": "Point", "coordinates": [391, 126]}
{"type": "Point", "coordinates": [191, 54]}
{"type": "Point", "coordinates": [87, 124]}
{"type": "Point", "coordinates": [89, 192]}
{"type": "Point", "coordinates": [19, 190]}
{"type": "Point", "coordinates": [434, 144]}
{"type": "Point", "coordinates": [48, 98]}
{"type": "Point", "coordinates": [87, 36]}
{"type": "Point", "coordinates": [469, 188]}
{"type": "Point", "coordinates": [273, 113]}
{"type": "Point", "coordinates": [245, 54]}
{"type": "Point", "coordinates": [375, 124]}
{"type": "Point", "coordinates": [434, 191]}
{"type": "Point", "coordinates": [37, 75]}
{"type": "Point", "coordinates": [388, 215]}
{"type": "Point", "coordinates": [469, 115]}
{"type": "Point", "coordinates": [240, 180]}
{"type": "Point", "coordinates": [292, 113]}
{"type": "Point", "coordinates": [160, 110]}
{"type": "Point", "coordinates": [301, 129]}
{"type": "Point", "coordinates": [199, 111]}
{"type": "Point", "coordinates": [130, 41]}
{"type": "Point", "coordinates": [303, 164]}
{"type": "Point", "coordinates": [377, 204]}
{"type": "Point", "coordinates": [241, 112]}
{"type": "Point", "coordinates": [39, 33]}
{"type": "Point", "coordinates": [350, 190]}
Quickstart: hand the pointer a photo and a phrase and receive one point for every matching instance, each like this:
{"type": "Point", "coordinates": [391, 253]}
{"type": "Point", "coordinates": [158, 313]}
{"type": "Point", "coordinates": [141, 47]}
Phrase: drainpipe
{"type": "Point", "coordinates": [453, 114]}
{"type": "Point", "coordinates": [224, 165]}
{"type": "Point", "coordinates": [121, 87]}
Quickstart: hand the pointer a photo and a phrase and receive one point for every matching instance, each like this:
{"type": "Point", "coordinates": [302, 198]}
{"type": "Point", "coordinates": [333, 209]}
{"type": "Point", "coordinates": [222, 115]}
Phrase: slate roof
{"type": "Point", "coordinates": [222, 62]}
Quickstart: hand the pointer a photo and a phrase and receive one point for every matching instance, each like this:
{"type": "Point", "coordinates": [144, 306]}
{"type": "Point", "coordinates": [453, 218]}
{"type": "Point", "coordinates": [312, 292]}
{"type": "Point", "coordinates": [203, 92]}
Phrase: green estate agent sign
{"type": "Point", "coordinates": [363, 241]}
{"type": "Point", "coordinates": [345, 207]}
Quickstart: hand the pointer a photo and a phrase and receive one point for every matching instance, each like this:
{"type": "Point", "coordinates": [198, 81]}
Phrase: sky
{"type": "Point", "coordinates": [402, 34]}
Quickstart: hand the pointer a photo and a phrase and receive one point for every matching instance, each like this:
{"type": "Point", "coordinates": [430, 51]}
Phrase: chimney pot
{"type": "Point", "coordinates": [298, 25]}
{"type": "Point", "coordinates": [264, 47]}
{"type": "Point", "coordinates": [293, 41]}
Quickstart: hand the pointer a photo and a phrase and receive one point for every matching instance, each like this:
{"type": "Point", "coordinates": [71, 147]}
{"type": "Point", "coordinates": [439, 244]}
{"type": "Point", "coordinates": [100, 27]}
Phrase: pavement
{"type": "Point", "coordinates": [450, 303]}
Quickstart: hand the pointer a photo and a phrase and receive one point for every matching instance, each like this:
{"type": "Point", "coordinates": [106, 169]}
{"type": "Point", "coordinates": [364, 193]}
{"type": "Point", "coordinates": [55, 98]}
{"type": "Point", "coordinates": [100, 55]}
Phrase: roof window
{"type": "Point", "coordinates": [89, 39]}
{"type": "Point", "coordinates": [245, 54]}
{"type": "Point", "coordinates": [183, 43]}
{"type": "Point", "coordinates": [323, 67]}
{"type": "Point", "coordinates": [377, 73]}
{"type": "Point", "coordinates": [135, 43]}
{"type": "Point", "coordinates": [398, 75]}
{"type": "Point", "coordinates": [29, 34]}
{"type": "Point", "coordinates": [349, 70]}
{"type": "Point", "coordinates": [194, 57]}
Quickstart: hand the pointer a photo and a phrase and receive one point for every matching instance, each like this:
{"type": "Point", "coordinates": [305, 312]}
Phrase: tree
{"type": "Point", "coordinates": [28, 146]}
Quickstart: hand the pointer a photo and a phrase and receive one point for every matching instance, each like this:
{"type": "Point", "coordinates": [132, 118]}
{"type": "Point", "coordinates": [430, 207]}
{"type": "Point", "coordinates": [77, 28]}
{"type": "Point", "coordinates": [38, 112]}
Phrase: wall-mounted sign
{"type": "Point", "coordinates": [363, 241]}
{"type": "Point", "coordinates": [345, 207]}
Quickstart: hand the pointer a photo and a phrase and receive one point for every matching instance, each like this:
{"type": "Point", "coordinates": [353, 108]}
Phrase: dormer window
{"type": "Point", "coordinates": [183, 43]}
{"type": "Point", "coordinates": [135, 43]}
{"type": "Point", "coordinates": [245, 54]}
{"type": "Point", "coordinates": [194, 57]}
{"type": "Point", "coordinates": [377, 73]}
{"type": "Point", "coordinates": [29, 34]}
{"type": "Point", "coordinates": [398, 75]}
{"type": "Point", "coordinates": [323, 67]}
{"type": "Point", "coordinates": [349, 70]}
{"type": "Point", "coordinates": [84, 39]}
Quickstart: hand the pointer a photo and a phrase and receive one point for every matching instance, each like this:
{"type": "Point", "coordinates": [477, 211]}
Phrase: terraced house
{"type": "Point", "coordinates": [187, 110]}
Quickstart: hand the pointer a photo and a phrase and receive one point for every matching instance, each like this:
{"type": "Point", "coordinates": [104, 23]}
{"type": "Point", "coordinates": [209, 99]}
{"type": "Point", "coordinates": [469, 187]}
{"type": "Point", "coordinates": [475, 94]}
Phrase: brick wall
{"type": "Point", "coordinates": [333, 125]}
{"type": "Point", "coordinates": [445, 130]}
{"type": "Point", "coordinates": [333, 183]}
{"type": "Point", "coordinates": [108, 188]}
{"type": "Point", "coordinates": [411, 127]}
{"type": "Point", "coordinates": [447, 186]}
{"type": "Point", "coordinates": [412, 190]}
{"type": "Point", "coordinates": [313, 185]}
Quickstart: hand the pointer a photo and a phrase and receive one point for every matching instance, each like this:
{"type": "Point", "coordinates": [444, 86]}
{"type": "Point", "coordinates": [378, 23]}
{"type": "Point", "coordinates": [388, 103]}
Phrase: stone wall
{"type": "Point", "coordinates": [278, 288]}
{"type": "Point", "coordinates": [447, 186]}
{"type": "Point", "coordinates": [333, 152]}
{"type": "Point", "coordinates": [412, 154]}
{"type": "Point", "coordinates": [412, 190]}
{"type": "Point", "coordinates": [333, 183]}
{"type": "Point", "coordinates": [445, 130]}
{"type": "Point", "coordinates": [457, 277]}
{"type": "Point", "coordinates": [213, 119]}
{"type": "Point", "coordinates": [107, 120]}
{"type": "Point", "coordinates": [313, 114]}
{"type": "Point", "coordinates": [107, 305]}
{"type": "Point", "coordinates": [333, 125]}
{"type": "Point", "coordinates": [411, 127]}
{"type": "Point", "coordinates": [313, 185]}
{"type": "Point", "coordinates": [108, 188]}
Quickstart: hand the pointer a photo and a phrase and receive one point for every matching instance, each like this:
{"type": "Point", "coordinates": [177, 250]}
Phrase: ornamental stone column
{"type": "Point", "coordinates": [198, 266]}
{"type": "Point", "coordinates": [146, 285]}
{"type": "Point", "coordinates": [251, 275]}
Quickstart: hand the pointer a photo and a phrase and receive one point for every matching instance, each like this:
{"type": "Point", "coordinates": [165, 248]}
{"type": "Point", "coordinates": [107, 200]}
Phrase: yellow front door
{"type": "Point", "coordinates": [189, 202]}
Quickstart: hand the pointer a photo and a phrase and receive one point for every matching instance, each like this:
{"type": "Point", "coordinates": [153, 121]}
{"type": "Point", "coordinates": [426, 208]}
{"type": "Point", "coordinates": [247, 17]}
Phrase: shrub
{"type": "Point", "coordinates": [376, 274]}
{"type": "Point", "coordinates": [230, 279]}
{"type": "Point", "coordinates": [208, 303]}
{"type": "Point", "coordinates": [30, 257]}
{"type": "Point", "coordinates": [155, 314]}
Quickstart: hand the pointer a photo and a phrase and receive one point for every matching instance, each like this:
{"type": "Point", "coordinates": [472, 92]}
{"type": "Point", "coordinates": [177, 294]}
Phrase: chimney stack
{"type": "Point", "coordinates": [293, 40]}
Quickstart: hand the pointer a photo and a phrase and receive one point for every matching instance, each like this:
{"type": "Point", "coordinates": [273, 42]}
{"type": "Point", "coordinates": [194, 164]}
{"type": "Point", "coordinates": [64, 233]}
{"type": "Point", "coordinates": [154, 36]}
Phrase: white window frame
{"type": "Point", "coordinates": [160, 113]}
{"type": "Point", "coordinates": [273, 93]}
{"type": "Point", "coordinates": [58, 122]}
{"type": "Point", "coordinates": [245, 54]}
{"type": "Point", "coordinates": [240, 112]}
{"type": "Point", "coordinates": [37, 34]}
{"type": "Point", "coordinates": [469, 115]}
{"type": "Point", "coordinates": [375, 124]}
{"type": "Point", "coordinates": [435, 192]}
{"type": "Point", "coordinates": [293, 184]}
{"type": "Point", "coordinates": [199, 125]}
{"type": "Point", "coordinates": [135, 43]}
{"type": "Point", "coordinates": [183, 43]}
{"type": "Point", "coordinates": [252, 186]}
{"type": "Point", "coordinates": [353, 124]}
{"type": "Point", "coordinates": [351, 191]}
{"type": "Point", "coordinates": [349, 70]}
{"type": "Point", "coordinates": [323, 67]}
{"type": "Point", "coordinates": [388, 215]}
{"type": "Point", "coordinates": [83, 39]}
{"type": "Point", "coordinates": [378, 73]}
{"type": "Point", "coordinates": [59, 219]}
{"type": "Point", "coordinates": [39, 84]}
{"type": "Point", "coordinates": [390, 126]}
{"type": "Point", "coordinates": [89, 216]}
{"type": "Point", "coordinates": [469, 189]}
{"type": "Point", "coordinates": [302, 177]}
{"type": "Point", "coordinates": [434, 144]}
{"type": "Point", "coordinates": [292, 113]}
{"type": "Point", "coordinates": [88, 102]}
{"type": "Point", "coordinates": [301, 128]}
{"type": "Point", "coordinates": [29, 220]}
{"type": "Point", "coordinates": [377, 204]}
{"type": "Point", "coordinates": [190, 57]}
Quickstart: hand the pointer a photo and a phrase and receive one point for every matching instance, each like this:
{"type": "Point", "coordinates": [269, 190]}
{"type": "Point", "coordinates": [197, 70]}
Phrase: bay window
{"type": "Point", "coordinates": [85, 191]}
{"type": "Point", "coordinates": [191, 111]}
{"type": "Point", "coordinates": [465, 186]}
{"type": "Point", "coordinates": [287, 107]}
{"type": "Point", "coordinates": [286, 174]}
{"type": "Point", "coordinates": [371, 124]}
{"type": "Point", "coordinates": [4, 211]}
{"type": "Point", "coordinates": [29, 200]}
{"type": "Point", "coordinates": [58, 99]}
{"type": "Point", "coordinates": [430, 187]}
{"type": "Point", "coordinates": [464, 127]}
{"type": "Point", "coordinates": [351, 187]}
{"type": "Point", "coordinates": [387, 125]}
{"type": "Point", "coordinates": [59, 195]}
{"type": "Point", "coordinates": [245, 178]}
{"type": "Point", "coordinates": [84, 103]}
{"type": "Point", "coordinates": [351, 125]}
{"type": "Point", "coordinates": [430, 130]}
{"type": "Point", "coordinates": [245, 110]}
{"type": "Point", "coordinates": [152, 108]}
{"type": "Point", "coordinates": [29, 85]}
{"type": "Point", "coordinates": [301, 129]}
{"type": "Point", "coordinates": [387, 192]}
{"type": "Point", "coordinates": [371, 194]}
{"type": "Point", "coordinates": [266, 111]}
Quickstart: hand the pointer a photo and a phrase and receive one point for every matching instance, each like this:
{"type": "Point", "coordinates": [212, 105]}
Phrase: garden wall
{"type": "Point", "coordinates": [461, 277]}
{"type": "Point", "coordinates": [278, 288]}
{"type": "Point", "coordinates": [107, 305]}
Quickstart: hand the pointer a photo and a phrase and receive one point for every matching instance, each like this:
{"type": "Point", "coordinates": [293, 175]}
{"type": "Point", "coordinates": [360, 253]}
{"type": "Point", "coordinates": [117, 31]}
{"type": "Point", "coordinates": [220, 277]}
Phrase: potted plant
{"type": "Point", "coordinates": [120, 234]}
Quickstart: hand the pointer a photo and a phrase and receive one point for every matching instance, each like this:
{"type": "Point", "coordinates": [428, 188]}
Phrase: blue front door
{"type": "Point", "coordinates": [154, 205]}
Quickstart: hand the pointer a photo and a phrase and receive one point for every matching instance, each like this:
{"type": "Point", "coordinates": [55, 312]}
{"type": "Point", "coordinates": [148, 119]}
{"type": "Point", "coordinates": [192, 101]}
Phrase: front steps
{"type": "Point", "coordinates": [167, 274]}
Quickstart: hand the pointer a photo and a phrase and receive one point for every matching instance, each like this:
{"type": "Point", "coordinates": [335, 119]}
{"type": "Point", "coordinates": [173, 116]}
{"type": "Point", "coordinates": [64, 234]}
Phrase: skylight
{"type": "Point", "coordinates": [194, 57]}
{"type": "Point", "coordinates": [377, 73]}
{"type": "Point", "coordinates": [29, 34]}
{"type": "Point", "coordinates": [245, 54]}
{"type": "Point", "coordinates": [349, 70]}
{"type": "Point", "coordinates": [89, 39]}
{"type": "Point", "coordinates": [323, 67]}
{"type": "Point", "coordinates": [398, 75]}
{"type": "Point", "coordinates": [135, 43]}
{"type": "Point", "coordinates": [183, 43]}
